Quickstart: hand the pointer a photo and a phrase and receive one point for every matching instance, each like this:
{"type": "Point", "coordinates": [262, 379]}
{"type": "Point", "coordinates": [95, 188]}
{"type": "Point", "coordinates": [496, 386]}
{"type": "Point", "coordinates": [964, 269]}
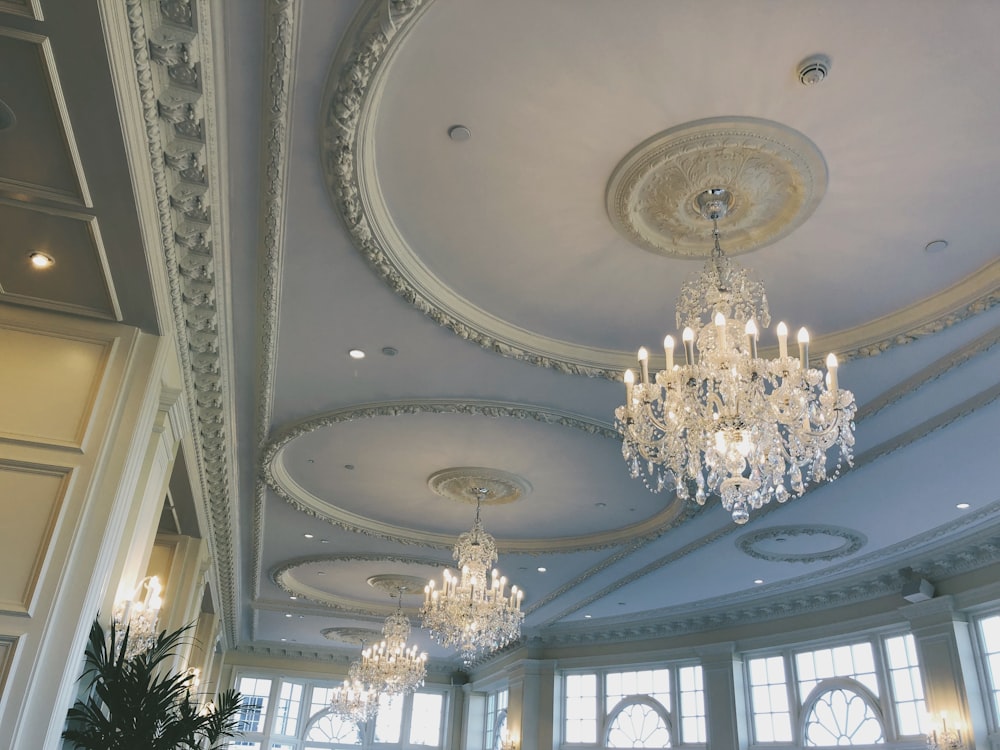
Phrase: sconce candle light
{"type": "Point", "coordinates": [943, 737]}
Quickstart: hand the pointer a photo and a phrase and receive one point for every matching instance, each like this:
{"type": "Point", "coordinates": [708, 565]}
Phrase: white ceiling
{"type": "Point", "coordinates": [512, 225]}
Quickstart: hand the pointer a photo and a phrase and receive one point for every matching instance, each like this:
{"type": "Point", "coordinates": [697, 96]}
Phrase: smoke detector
{"type": "Point", "coordinates": [813, 70]}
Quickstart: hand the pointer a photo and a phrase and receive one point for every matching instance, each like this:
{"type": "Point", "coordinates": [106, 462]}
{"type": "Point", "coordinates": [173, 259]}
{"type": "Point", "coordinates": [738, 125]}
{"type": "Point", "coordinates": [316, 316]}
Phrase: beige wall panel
{"type": "Point", "coordinates": [33, 496]}
{"type": "Point", "coordinates": [48, 386]}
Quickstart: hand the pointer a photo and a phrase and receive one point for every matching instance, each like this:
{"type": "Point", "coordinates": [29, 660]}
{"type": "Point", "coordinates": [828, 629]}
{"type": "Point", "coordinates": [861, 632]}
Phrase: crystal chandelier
{"type": "Point", "coordinates": [727, 421]}
{"type": "Point", "coordinates": [139, 617]}
{"type": "Point", "coordinates": [471, 611]}
{"type": "Point", "coordinates": [353, 700]}
{"type": "Point", "coordinates": [391, 667]}
{"type": "Point", "coordinates": [944, 738]}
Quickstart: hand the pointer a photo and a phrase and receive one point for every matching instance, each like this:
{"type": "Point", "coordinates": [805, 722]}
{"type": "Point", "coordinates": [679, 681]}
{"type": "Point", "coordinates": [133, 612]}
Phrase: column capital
{"type": "Point", "coordinates": [930, 616]}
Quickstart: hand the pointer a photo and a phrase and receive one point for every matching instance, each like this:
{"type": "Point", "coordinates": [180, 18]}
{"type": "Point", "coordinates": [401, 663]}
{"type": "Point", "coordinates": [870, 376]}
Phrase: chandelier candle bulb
{"type": "Point", "coordinates": [720, 330]}
{"type": "Point", "coordinates": [668, 347]}
{"type": "Point", "coordinates": [831, 369]}
{"type": "Point", "coordinates": [782, 331]}
{"type": "Point", "coordinates": [688, 337]}
{"type": "Point", "coordinates": [644, 364]}
{"type": "Point", "coordinates": [803, 348]}
{"type": "Point", "coordinates": [751, 332]}
{"type": "Point", "coordinates": [629, 385]}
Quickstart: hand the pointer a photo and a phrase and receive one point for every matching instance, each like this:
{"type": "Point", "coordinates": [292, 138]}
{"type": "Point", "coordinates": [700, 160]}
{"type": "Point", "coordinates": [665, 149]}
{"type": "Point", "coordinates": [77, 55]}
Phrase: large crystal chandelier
{"type": "Point", "coordinates": [727, 421]}
{"type": "Point", "coordinates": [391, 667]}
{"type": "Point", "coordinates": [139, 616]}
{"type": "Point", "coordinates": [472, 611]}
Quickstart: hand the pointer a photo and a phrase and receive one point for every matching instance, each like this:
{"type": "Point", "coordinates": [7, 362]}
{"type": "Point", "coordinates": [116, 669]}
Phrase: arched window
{"type": "Point", "coordinates": [328, 727]}
{"type": "Point", "coordinates": [841, 712]}
{"type": "Point", "coordinates": [638, 721]}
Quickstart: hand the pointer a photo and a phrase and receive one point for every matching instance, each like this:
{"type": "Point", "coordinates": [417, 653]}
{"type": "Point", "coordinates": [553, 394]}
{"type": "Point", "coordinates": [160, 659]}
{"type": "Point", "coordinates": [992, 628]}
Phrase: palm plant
{"type": "Point", "coordinates": [136, 703]}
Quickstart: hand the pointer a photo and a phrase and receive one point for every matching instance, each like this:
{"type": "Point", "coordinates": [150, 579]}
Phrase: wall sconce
{"type": "Point", "coordinates": [943, 737]}
{"type": "Point", "coordinates": [140, 616]}
{"type": "Point", "coordinates": [507, 742]}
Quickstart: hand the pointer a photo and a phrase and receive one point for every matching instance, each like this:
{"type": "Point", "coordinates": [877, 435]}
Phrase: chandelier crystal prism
{"type": "Point", "coordinates": [472, 610]}
{"type": "Point", "coordinates": [726, 421]}
{"type": "Point", "coordinates": [391, 667]}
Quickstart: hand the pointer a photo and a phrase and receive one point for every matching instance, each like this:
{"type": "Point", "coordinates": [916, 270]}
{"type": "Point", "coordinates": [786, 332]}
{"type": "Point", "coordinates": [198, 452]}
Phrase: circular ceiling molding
{"type": "Point", "coordinates": [775, 174]}
{"type": "Point", "coordinates": [295, 577]}
{"type": "Point", "coordinates": [804, 544]}
{"type": "Point", "coordinates": [353, 636]}
{"type": "Point", "coordinates": [392, 584]}
{"type": "Point", "coordinates": [465, 485]}
{"type": "Point", "coordinates": [285, 478]}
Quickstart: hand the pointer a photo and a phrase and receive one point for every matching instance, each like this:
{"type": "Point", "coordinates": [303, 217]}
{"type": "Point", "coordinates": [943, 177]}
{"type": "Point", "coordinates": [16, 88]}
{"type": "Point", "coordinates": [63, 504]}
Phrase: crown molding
{"type": "Point", "coordinates": [174, 71]}
{"type": "Point", "coordinates": [281, 35]}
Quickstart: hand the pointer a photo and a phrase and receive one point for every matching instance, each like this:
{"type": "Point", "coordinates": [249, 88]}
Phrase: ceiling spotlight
{"type": "Point", "coordinates": [41, 260]}
{"type": "Point", "coordinates": [587, 617]}
{"type": "Point", "coordinates": [288, 614]}
{"type": "Point", "coordinates": [936, 246]}
{"type": "Point", "coordinates": [390, 351]}
{"type": "Point", "coordinates": [293, 597]}
{"type": "Point", "coordinates": [459, 133]}
{"type": "Point", "coordinates": [356, 354]}
{"type": "Point", "coordinates": [962, 506]}
{"type": "Point", "coordinates": [758, 581]}
{"type": "Point", "coordinates": [308, 536]}
{"type": "Point", "coordinates": [542, 569]}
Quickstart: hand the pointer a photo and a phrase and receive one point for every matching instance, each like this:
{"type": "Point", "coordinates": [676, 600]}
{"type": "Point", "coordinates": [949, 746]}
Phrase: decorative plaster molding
{"type": "Point", "coordinates": [851, 542]}
{"type": "Point", "coordinates": [776, 175]}
{"type": "Point", "coordinates": [280, 481]}
{"type": "Point", "coordinates": [349, 108]}
{"type": "Point", "coordinates": [353, 636]}
{"type": "Point", "coordinates": [885, 580]}
{"type": "Point", "coordinates": [181, 139]}
{"type": "Point", "coordinates": [281, 35]}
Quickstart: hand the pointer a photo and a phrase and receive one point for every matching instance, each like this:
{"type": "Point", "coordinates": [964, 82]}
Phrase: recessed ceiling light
{"type": "Point", "coordinates": [758, 581]}
{"type": "Point", "coordinates": [321, 572]}
{"type": "Point", "coordinates": [542, 569]}
{"type": "Point", "coordinates": [962, 506]}
{"type": "Point", "coordinates": [349, 467]}
{"type": "Point", "coordinates": [308, 536]}
{"type": "Point", "coordinates": [293, 597]}
{"type": "Point", "coordinates": [288, 614]}
{"type": "Point", "coordinates": [936, 246]}
{"type": "Point", "coordinates": [356, 354]}
{"type": "Point", "coordinates": [459, 133]}
{"type": "Point", "coordinates": [587, 617]}
{"type": "Point", "coordinates": [390, 351]}
{"type": "Point", "coordinates": [324, 541]}
{"type": "Point", "coordinates": [41, 260]}
{"type": "Point", "coordinates": [283, 640]}
{"type": "Point", "coordinates": [310, 460]}
{"type": "Point", "coordinates": [600, 505]}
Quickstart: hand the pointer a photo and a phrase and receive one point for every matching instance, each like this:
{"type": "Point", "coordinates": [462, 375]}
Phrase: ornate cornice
{"type": "Point", "coordinates": [349, 108]}
{"type": "Point", "coordinates": [171, 47]}
{"type": "Point", "coordinates": [947, 560]}
{"type": "Point", "coordinates": [851, 542]}
{"type": "Point", "coordinates": [279, 480]}
{"type": "Point", "coordinates": [280, 43]}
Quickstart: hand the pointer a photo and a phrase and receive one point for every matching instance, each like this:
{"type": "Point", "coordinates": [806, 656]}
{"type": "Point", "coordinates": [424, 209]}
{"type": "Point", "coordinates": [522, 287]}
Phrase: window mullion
{"type": "Point", "coordinates": [887, 696]}
{"type": "Point", "coordinates": [792, 690]}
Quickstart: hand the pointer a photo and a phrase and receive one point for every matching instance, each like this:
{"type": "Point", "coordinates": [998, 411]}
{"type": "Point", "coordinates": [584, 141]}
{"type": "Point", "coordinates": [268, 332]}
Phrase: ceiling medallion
{"type": "Point", "coordinates": [775, 174]}
{"type": "Point", "coordinates": [393, 583]}
{"type": "Point", "coordinates": [804, 544]}
{"type": "Point", "coordinates": [477, 484]}
{"type": "Point", "coordinates": [728, 422]}
{"type": "Point", "coordinates": [353, 636]}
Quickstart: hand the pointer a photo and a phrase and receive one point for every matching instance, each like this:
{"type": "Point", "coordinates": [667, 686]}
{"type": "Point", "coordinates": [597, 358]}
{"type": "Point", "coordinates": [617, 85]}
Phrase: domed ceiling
{"type": "Point", "coordinates": [494, 202]}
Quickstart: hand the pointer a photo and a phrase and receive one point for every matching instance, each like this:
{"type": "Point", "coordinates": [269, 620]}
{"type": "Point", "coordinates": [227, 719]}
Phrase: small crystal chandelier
{"type": "Point", "coordinates": [391, 667]}
{"type": "Point", "coordinates": [727, 421]}
{"type": "Point", "coordinates": [469, 611]}
{"type": "Point", "coordinates": [353, 700]}
{"type": "Point", "coordinates": [944, 738]}
{"type": "Point", "coordinates": [139, 617]}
